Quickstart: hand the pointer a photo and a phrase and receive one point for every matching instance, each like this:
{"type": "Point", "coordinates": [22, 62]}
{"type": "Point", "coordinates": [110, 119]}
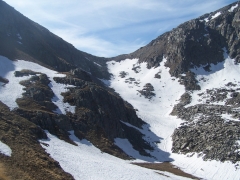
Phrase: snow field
{"type": "Point", "coordinates": [13, 90]}
{"type": "Point", "coordinates": [85, 161]}
{"type": "Point", "coordinates": [156, 112]}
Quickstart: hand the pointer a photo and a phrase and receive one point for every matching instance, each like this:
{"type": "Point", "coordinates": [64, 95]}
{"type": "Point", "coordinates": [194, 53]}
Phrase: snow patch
{"type": "Point", "coordinates": [5, 149]}
{"type": "Point", "coordinates": [228, 117]}
{"type": "Point", "coordinates": [232, 8]}
{"type": "Point", "coordinates": [216, 15]}
{"type": "Point", "coordinates": [211, 17]}
{"type": "Point", "coordinates": [206, 19]}
{"type": "Point", "coordinates": [19, 36]}
{"type": "Point", "coordinates": [13, 90]}
{"type": "Point", "coordinates": [97, 64]}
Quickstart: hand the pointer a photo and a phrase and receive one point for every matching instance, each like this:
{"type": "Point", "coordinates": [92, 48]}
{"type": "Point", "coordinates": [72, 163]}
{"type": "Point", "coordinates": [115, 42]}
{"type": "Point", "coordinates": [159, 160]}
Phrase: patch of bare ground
{"type": "Point", "coordinates": [168, 167]}
{"type": "Point", "coordinates": [29, 104]}
{"type": "Point", "coordinates": [28, 160]}
{"type": "Point", "coordinates": [3, 175]}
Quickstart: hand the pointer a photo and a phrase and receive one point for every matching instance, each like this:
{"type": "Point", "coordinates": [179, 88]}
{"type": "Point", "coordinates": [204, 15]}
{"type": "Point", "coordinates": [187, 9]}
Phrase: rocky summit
{"type": "Point", "coordinates": [67, 114]}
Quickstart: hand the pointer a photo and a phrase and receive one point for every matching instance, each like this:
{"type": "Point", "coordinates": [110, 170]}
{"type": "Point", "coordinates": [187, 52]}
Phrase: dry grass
{"type": "Point", "coordinates": [29, 160]}
{"type": "Point", "coordinates": [3, 175]}
{"type": "Point", "coordinates": [168, 167]}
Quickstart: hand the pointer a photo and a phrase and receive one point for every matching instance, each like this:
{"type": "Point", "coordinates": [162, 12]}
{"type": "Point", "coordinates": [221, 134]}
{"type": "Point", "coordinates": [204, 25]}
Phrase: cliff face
{"type": "Point", "coordinates": [196, 42]}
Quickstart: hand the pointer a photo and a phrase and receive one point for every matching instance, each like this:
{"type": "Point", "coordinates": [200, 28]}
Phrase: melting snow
{"type": "Point", "coordinates": [13, 90]}
{"type": "Point", "coordinates": [5, 149]}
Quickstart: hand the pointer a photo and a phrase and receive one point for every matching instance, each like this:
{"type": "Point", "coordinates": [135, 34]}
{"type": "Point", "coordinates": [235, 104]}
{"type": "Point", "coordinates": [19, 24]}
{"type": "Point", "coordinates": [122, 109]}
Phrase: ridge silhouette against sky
{"type": "Point", "coordinates": [109, 28]}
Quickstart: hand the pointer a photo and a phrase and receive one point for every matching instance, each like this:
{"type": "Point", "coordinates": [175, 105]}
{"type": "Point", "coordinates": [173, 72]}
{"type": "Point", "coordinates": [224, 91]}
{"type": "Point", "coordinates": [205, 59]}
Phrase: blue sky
{"type": "Point", "coordinates": [109, 28]}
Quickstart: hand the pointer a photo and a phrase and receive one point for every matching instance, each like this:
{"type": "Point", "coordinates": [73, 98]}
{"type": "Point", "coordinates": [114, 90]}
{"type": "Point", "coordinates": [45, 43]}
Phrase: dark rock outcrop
{"type": "Point", "coordinates": [147, 91]}
{"type": "Point", "coordinates": [99, 111]}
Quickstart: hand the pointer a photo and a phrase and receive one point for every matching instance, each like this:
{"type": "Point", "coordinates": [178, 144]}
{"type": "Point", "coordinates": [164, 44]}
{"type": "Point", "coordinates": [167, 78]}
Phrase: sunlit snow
{"type": "Point", "coordinates": [212, 17]}
{"type": "Point", "coordinates": [87, 162]}
{"type": "Point", "coordinates": [216, 15]}
{"type": "Point", "coordinates": [218, 77]}
{"type": "Point", "coordinates": [5, 149]}
{"type": "Point", "coordinates": [156, 111]}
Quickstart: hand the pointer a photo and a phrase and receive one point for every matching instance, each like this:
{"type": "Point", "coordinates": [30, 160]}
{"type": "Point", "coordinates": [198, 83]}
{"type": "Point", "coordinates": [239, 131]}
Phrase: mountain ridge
{"type": "Point", "coordinates": [25, 39]}
{"type": "Point", "coordinates": [193, 43]}
{"type": "Point", "coordinates": [157, 106]}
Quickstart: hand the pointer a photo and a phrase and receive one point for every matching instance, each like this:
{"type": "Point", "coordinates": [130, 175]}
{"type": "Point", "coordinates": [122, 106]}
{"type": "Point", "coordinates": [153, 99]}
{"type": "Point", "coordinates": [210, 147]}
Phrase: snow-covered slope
{"type": "Point", "coordinates": [154, 106]}
{"type": "Point", "coordinates": [155, 110]}
{"type": "Point", "coordinates": [85, 161]}
{"type": "Point", "coordinates": [217, 78]}
{"type": "Point", "coordinates": [12, 90]}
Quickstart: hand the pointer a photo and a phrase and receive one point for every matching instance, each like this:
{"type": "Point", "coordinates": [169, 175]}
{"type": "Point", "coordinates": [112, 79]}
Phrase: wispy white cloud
{"type": "Point", "coordinates": [108, 28]}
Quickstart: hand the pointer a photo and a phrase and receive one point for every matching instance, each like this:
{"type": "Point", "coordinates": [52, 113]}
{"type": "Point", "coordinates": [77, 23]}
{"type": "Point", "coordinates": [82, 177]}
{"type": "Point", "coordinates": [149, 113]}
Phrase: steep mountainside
{"type": "Point", "coordinates": [28, 159]}
{"type": "Point", "coordinates": [196, 42]}
{"type": "Point", "coordinates": [22, 38]}
{"type": "Point", "coordinates": [192, 74]}
{"type": "Point", "coordinates": [75, 100]}
{"type": "Point", "coordinates": [176, 100]}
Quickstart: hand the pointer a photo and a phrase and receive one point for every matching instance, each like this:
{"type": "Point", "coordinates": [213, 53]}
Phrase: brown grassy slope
{"type": "Point", "coordinates": [168, 167]}
{"type": "Point", "coordinates": [28, 160]}
{"type": "Point", "coordinates": [3, 173]}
